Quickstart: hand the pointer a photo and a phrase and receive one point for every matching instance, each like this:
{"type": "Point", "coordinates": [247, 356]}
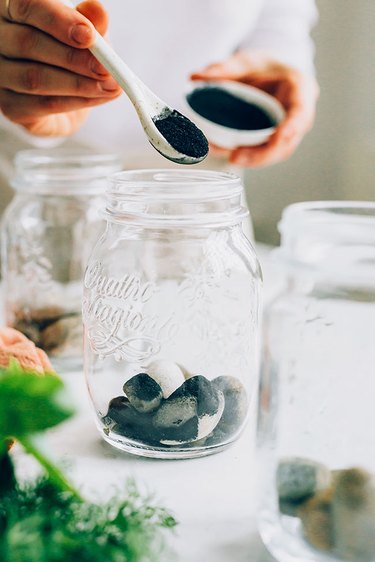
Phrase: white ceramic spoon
{"type": "Point", "coordinates": [150, 108]}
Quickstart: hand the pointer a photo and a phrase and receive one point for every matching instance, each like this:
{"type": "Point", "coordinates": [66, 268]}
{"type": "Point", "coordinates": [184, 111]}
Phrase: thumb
{"type": "Point", "coordinates": [95, 12]}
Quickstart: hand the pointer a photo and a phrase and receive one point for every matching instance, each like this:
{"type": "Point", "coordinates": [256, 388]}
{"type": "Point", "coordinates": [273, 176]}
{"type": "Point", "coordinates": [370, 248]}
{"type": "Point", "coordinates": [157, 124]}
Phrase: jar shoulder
{"type": "Point", "coordinates": [214, 252]}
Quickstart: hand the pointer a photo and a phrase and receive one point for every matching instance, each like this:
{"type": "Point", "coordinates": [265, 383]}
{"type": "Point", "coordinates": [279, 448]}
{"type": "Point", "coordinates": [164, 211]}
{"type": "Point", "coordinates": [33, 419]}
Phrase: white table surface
{"type": "Point", "coordinates": [213, 498]}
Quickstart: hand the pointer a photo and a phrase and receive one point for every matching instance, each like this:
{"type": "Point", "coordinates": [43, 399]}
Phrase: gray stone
{"type": "Point", "coordinates": [290, 507]}
{"type": "Point", "coordinates": [197, 402]}
{"type": "Point", "coordinates": [208, 422]}
{"type": "Point", "coordinates": [123, 419]}
{"type": "Point", "coordinates": [175, 412]}
{"type": "Point", "coordinates": [217, 437]}
{"type": "Point", "coordinates": [208, 398]}
{"type": "Point", "coordinates": [298, 478]}
{"type": "Point", "coordinates": [143, 392]}
{"type": "Point", "coordinates": [236, 404]}
{"type": "Point", "coordinates": [181, 434]}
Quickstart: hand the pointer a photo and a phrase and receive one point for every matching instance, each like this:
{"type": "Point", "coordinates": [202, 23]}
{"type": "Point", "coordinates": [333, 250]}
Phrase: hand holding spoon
{"type": "Point", "coordinates": [170, 133]}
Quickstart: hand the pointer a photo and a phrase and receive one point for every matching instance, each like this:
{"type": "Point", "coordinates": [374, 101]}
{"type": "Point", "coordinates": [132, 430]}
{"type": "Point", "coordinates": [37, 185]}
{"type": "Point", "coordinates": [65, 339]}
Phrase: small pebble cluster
{"type": "Point", "coordinates": [336, 508]}
{"type": "Point", "coordinates": [166, 406]}
{"type": "Point", "coordinates": [53, 329]}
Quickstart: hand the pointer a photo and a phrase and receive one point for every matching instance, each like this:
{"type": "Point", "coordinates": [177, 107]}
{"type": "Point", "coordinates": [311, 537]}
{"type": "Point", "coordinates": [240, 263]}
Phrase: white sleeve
{"type": "Point", "coordinates": [283, 29]}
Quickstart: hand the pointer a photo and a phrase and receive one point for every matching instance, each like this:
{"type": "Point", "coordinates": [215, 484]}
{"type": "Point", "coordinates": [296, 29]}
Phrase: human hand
{"type": "Point", "coordinates": [297, 92]}
{"type": "Point", "coordinates": [48, 78]}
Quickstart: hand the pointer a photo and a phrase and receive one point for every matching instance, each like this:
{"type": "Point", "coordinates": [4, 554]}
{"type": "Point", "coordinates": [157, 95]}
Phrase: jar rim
{"type": "Point", "coordinates": [174, 183]}
{"type": "Point", "coordinates": [63, 171]}
{"type": "Point", "coordinates": [298, 214]}
{"type": "Point", "coordinates": [331, 238]}
{"type": "Point", "coordinates": [173, 197]}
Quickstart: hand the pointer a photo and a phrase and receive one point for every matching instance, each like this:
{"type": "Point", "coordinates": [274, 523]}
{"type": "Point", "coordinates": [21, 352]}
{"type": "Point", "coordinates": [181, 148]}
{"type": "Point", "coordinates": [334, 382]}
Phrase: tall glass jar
{"type": "Point", "coordinates": [171, 312]}
{"type": "Point", "coordinates": [47, 231]}
{"type": "Point", "coordinates": [317, 392]}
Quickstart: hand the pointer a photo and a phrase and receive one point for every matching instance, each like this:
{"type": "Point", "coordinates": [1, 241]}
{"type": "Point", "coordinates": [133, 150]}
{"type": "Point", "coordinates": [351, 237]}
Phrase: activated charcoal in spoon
{"type": "Point", "coordinates": [223, 108]}
{"type": "Point", "coordinates": [182, 134]}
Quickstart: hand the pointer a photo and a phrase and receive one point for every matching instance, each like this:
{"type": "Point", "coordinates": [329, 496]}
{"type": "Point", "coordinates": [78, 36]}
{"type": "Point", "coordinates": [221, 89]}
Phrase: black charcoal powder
{"type": "Point", "coordinates": [228, 110]}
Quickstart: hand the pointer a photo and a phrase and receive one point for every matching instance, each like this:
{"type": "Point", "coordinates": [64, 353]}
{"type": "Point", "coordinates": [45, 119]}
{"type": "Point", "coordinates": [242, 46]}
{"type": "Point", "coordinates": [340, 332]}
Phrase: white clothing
{"type": "Point", "coordinates": [163, 41]}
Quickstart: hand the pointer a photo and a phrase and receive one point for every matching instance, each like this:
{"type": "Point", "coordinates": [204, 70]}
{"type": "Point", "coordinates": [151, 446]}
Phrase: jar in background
{"type": "Point", "coordinates": [171, 313]}
{"type": "Point", "coordinates": [317, 389]}
{"type": "Point", "coordinates": [47, 232]}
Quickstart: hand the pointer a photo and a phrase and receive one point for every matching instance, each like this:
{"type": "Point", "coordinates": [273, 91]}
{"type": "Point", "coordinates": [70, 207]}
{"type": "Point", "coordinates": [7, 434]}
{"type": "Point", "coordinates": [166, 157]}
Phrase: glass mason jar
{"type": "Point", "coordinates": [171, 312]}
{"type": "Point", "coordinates": [317, 389]}
{"type": "Point", "coordinates": [47, 231]}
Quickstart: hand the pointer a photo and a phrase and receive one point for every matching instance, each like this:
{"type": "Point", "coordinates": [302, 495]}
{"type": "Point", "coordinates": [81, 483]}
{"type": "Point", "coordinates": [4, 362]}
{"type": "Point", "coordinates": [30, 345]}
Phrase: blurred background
{"type": "Point", "coordinates": [337, 159]}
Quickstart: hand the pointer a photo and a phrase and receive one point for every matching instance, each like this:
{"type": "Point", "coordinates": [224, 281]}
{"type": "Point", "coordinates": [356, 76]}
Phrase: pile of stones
{"type": "Point", "coordinates": [166, 406]}
{"type": "Point", "coordinates": [336, 508]}
{"type": "Point", "coordinates": [53, 329]}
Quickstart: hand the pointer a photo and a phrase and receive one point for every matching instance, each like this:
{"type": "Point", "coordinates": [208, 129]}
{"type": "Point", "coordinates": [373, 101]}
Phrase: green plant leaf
{"type": "Point", "coordinates": [30, 403]}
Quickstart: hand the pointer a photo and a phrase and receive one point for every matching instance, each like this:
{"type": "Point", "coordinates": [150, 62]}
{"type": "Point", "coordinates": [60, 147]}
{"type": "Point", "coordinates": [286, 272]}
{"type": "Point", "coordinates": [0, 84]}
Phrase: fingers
{"type": "Point", "coordinates": [229, 70]}
{"type": "Point", "coordinates": [26, 43]}
{"type": "Point", "coordinates": [271, 153]}
{"type": "Point", "coordinates": [299, 98]}
{"type": "Point", "coordinates": [48, 78]}
{"type": "Point", "coordinates": [219, 151]}
{"type": "Point", "coordinates": [57, 124]}
{"type": "Point", "coordinates": [52, 17]}
{"type": "Point", "coordinates": [282, 144]}
{"type": "Point", "coordinates": [236, 67]}
{"type": "Point", "coordinates": [27, 109]}
{"type": "Point", "coordinates": [38, 79]}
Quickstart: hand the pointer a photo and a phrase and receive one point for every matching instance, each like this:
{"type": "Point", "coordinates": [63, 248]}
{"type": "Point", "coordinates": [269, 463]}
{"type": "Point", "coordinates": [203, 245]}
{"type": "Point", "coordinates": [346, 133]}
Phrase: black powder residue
{"type": "Point", "coordinates": [228, 110]}
{"type": "Point", "coordinates": [182, 134]}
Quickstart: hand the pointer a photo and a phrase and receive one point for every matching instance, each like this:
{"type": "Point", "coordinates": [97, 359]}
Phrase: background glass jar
{"type": "Point", "coordinates": [317, 416]}
{"type": "Point", "coordinates": [171, 312]}
{"type": "Point", "coordinates": [47, 231]}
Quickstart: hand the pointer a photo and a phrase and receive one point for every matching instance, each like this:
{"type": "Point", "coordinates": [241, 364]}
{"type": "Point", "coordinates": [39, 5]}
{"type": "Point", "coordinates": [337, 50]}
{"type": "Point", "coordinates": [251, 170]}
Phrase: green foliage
{"type": "Point", "coordinates": [47, 520]}
{"type": "Point", "coordinates": [30, 403]}
{"type": "Point", "coordinates": [40, 524]}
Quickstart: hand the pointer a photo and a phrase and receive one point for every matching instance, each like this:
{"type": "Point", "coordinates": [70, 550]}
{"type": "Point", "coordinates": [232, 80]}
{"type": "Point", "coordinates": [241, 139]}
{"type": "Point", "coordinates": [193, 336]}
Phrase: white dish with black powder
{"type": "Point", "coordinates": [233, 114]}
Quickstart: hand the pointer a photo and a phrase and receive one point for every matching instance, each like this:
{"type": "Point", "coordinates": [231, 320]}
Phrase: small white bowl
{"type": "Point", "coordinates": [227, 137]}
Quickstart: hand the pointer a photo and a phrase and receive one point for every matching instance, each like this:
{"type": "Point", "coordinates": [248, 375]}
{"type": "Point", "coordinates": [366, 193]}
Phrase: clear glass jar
{"type": "Point", "coordinates": [171, 312]}
{"type": "Point", "coordinates": [47, 232]}
{"type": "Point", "coordinates": [317, 390]}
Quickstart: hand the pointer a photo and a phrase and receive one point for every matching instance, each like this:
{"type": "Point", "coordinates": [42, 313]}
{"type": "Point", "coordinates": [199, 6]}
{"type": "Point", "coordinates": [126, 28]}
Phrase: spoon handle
{"type": "Point", "coordinates": [119, 70]}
